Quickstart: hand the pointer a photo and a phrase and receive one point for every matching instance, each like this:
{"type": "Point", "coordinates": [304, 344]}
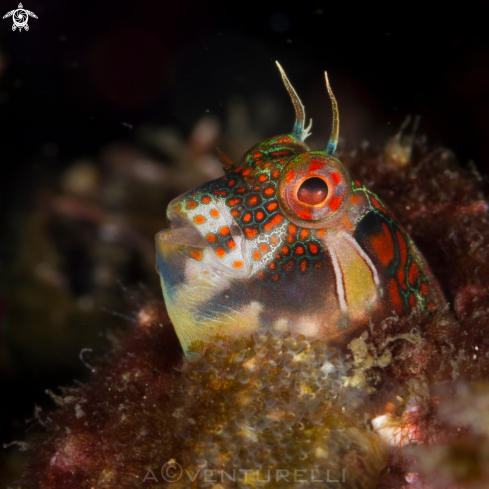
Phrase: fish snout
{"type": "Point", "coordinates": [207, 233]}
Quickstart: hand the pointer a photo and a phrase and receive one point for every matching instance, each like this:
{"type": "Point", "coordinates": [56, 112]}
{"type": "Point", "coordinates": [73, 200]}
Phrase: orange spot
{"type": "Point", "coordinates": [252, 200]}
{"type": "Point", "coordinates": [256, 255]}
{"type": "Point", "coordinates": [263, 247]}
{"type": "Point", "coordinates": [275, 174]}
{"type": "Point", "coordinates": [292, 229]}
{"type": "Point", "coordinates": [240, 190]}
{"type": "Point", "coordinates": [356, 199]}
{"type": "Point", "coordinates": [191, 204]}
{"type": "Point", "coordinates": [272, 265]}
{"type": "Point", "coordinates": [220, 252]}
{"type": "Point", "coordinates": [232, 202]}
{"type": "Point", "coordinates": [261, 274]}
{"type": "Point", "coordinates": [250, 232]}
{"type": "Point", "coordinates": [321, 232]}
{"type": "Point", "coordinates": [272, 206]}
{"type": "Point", "coordinates": [214, 213]}
{"type": "Point", "coordinates": [211, 238]}
{"type": "Point", "coordinates": [335, 177]}
{"type": "Point", "coordinates": [304, 233]}
{"type": "Point", "coordinates": [315, 164]}
{"type": "Point", "coordinates": [303, 265]}
{"type": "Point", "coordinates": [413, 273]}
{"type": "Point", "coordinates": [334, 203]}
{"type": "Point", "coordinates": [383, 245]}
{"type": "Point", "coordinates": [377, 205]}
{"type": "Point", "coordinates": [278, 257]}
{"type": "Point", "coordinates": [205, 199]}
{"type": "Point", "coordinates": [274, 240]}
{"type": "Point", "coordinates": [284, 140]}
{"type": "Point", "coordinates": [299, 250]}
{"type": "Point", "coordinates": [262, 178]}
{"type": "Point", "coordinates": [220, 192]}
{"type": "Point", "coordinates": [237, 264]}
{"type": "Point", "coordinates": [284, 152]}
{"type": "Point", "coordinates": [401, 278]}
{"type": "Point", "coordinates": [290, 239]}
{"type": "Point", "coordinates": [290, 176]}
{"type": "Point", "coordinates": [231, 183]}
{"type": "Point", "coordinates": [402, 248]}
{"type": "Point", "coordinates": [313, 248]}
{"type": "Point", "coordinates": [395, 296]}
{"type": "Point", "coordinates": [199, 219]}
{"type": "Point", "coordinates": [231, 244]}
{"type": "Point", "coordinates": [412, 301]}
{"type": "Point", "coordinates": [257, 155]}
{"type": "Point", "coordinates": [277, 219]}
{"type": "Point", "coordinates": [247, 217]}
{"type": "Point", "coordinates": [424, 289]}
{"type": "Point", "coordinates": [275, 277]}
{"type": "Point", "coordinates": [260, 215]}
{"type": "Point", "coordinates": [285, 250]}
{"type": "Point", "coordinates": [235, 213]}
{"type": "Point", "coordinates": [269, 191]}
{"type": "Point", "coordinates": [196, 254]}
{"type": "Point", "coordinates": [304, 214]}
{"type": "Point", "coordinates": [224, 231]}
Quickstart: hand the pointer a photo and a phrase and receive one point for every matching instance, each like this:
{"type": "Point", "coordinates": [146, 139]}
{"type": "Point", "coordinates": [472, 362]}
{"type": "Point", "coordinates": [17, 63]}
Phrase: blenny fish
{"type": "Point", "coordinates": [286, 240]}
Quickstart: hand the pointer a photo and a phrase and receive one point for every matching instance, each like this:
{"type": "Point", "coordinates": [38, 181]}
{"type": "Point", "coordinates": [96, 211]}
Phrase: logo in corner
{"type": "Point", "coordinates": [20, 16]}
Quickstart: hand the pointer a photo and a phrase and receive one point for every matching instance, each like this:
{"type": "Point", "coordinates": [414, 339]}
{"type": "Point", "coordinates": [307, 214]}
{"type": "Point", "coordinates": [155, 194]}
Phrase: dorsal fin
{"type": "Point", "coordinates": [225, 160]}
{"type": "Point", "coordinates": [300, 132]}
{"type": "Point", "coordinates": [335, 128]}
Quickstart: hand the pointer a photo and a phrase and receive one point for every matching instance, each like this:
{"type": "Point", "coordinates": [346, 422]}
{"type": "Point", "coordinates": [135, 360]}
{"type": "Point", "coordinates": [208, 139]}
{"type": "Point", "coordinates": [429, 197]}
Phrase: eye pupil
{"type": "Point", "coordinates": [313, 191]}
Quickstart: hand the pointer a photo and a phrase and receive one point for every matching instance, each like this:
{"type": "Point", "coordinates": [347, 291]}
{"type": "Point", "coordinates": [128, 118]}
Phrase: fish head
{"type": "Point", "coordinates": [284, 240]}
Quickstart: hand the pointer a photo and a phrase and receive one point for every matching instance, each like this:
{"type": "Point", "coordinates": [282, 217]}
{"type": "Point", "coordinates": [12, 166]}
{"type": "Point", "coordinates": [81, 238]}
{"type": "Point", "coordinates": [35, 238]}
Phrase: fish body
{"type": "Point", "coordinates": [286, 240]}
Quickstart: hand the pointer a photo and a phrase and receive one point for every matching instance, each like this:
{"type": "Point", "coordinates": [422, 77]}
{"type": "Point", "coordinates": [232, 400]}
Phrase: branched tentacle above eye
{"type": "Point", "coordinates": [300, 132]}
{"type": "Point", "coordinates": [335, 129]}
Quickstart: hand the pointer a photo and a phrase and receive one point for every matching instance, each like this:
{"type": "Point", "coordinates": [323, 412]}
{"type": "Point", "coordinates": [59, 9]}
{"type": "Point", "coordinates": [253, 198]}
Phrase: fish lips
{"type": "Point", "coordinates": [185, 238]}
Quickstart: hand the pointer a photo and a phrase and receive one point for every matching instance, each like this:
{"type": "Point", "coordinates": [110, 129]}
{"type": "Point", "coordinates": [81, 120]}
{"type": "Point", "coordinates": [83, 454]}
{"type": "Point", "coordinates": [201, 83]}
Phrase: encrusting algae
{"type": "Point", "coordinates": [267, 411]}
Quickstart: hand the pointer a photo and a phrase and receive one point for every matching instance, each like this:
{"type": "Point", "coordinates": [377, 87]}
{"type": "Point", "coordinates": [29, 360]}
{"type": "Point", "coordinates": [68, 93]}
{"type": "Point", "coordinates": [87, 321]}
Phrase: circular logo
{"type": "Point", "coordinates": [20, 18]}
{"type": "Point", "coordinates": [171, 471]}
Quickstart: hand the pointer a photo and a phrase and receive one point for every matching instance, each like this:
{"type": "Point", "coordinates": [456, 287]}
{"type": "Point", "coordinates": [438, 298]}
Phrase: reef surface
{"type": "Point", "coordinates": [403, 406]}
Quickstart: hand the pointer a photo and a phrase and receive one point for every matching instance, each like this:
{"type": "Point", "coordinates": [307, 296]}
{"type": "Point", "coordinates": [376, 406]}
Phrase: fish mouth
{"type": "Point", "coordinates": [183, 234]}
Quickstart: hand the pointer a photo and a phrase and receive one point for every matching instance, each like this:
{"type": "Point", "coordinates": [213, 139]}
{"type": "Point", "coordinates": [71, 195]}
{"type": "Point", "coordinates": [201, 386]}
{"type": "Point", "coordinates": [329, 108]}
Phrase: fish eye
{"type": "Point", "coordinates": [313, 191]}
{"type": "Point", "coordinates": [313, 188]}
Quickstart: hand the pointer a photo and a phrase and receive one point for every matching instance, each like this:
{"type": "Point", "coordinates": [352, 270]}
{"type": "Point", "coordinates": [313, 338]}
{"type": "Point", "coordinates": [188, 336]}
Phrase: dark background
{"type": "Point", "coordinates": [89, 73]}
